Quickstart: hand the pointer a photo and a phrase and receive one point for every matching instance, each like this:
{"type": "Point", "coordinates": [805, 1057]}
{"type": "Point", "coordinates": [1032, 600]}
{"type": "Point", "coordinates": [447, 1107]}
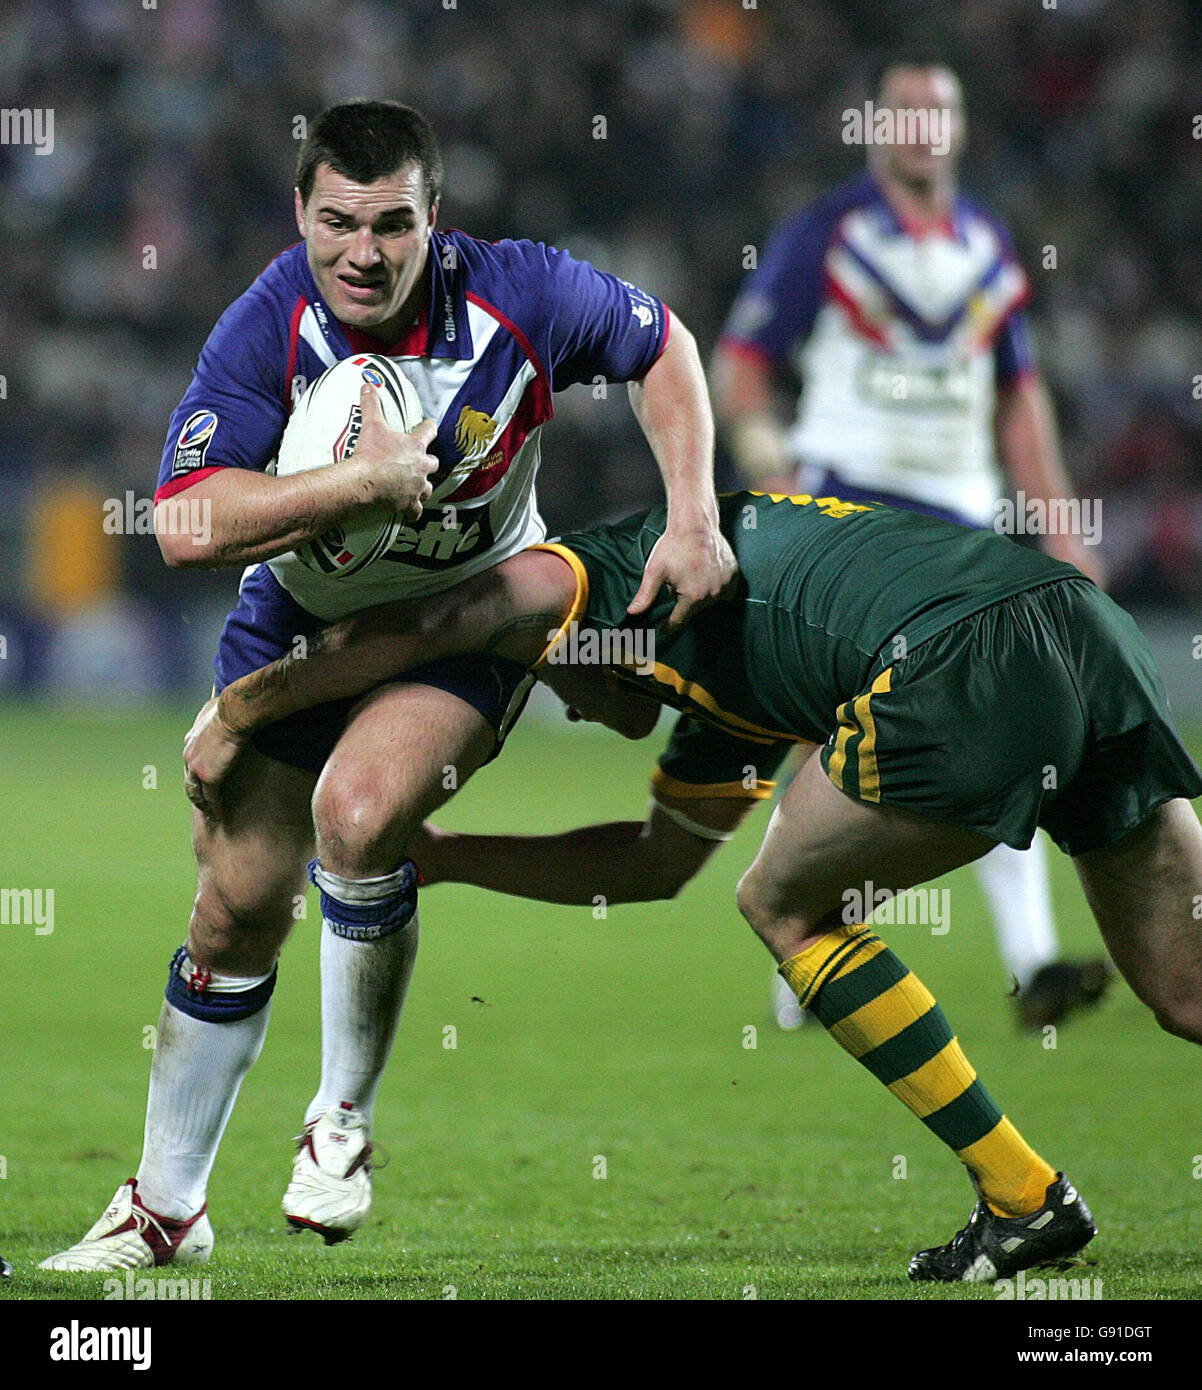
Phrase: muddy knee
{"type": "Point", "coordinates": [357, 836]}
{"type": "Point", "coordinates": [238, 937]}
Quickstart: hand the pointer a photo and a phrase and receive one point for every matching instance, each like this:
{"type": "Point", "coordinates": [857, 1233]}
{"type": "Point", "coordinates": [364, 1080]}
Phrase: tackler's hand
{"type": "Point", "coordinates": [696, 564]}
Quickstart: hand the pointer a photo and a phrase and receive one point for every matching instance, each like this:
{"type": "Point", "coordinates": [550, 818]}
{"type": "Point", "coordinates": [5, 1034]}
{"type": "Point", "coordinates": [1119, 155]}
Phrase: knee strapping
{"type": "Point", "coordinates": [213, 997]}
{"type": "Point", "coordinates": [366, 909]}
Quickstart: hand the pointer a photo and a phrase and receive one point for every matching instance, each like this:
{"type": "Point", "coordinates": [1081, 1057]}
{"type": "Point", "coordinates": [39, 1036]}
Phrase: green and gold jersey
{"type": "Point", "coordinates": [829, 594]}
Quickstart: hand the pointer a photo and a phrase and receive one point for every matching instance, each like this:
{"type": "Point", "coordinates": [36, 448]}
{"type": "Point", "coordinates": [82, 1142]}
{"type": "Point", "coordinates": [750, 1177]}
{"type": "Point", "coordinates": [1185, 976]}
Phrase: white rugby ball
{"type": "Point", "coordinates": [324, 429]}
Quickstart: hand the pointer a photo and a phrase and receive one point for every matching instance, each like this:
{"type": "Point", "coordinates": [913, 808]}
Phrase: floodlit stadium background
{"type": "Point", "coordinates": [174, 129]}
{"type": "Point", "coordinates": [773, 1167]}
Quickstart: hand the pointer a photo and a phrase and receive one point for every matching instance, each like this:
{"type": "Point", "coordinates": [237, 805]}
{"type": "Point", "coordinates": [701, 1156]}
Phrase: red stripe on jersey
{"type": "Point", "coordinates": [414, 342]}
{"type": "Point", "coordinates": [853, 311]}
{"type": "Point", "coordinates": [942, 225]}
{"type": "Point", "coordinates": [185, 480]}
{"type": "Point", "coordinates": [533, 410]}
{"type": "Point", "coordinates": [298, 312]}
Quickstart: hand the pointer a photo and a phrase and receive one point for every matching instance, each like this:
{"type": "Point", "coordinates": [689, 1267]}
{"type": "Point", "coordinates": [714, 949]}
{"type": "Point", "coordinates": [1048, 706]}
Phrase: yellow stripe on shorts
{"type": "Point", "coordinates": [856, 720]}
{"type": "Point", "coordinates": [838, 758]}
{"type": "Point", "coordinates": [870, 776]}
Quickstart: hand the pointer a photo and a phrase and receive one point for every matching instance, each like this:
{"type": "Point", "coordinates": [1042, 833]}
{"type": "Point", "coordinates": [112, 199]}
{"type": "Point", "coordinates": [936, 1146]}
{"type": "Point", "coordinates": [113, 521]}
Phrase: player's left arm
{"type": "Point", "coordinates": [590, 325]}
{"type": "Point", "coordinates": [1029, 447]}
{"type": "Point", "coordinates": [671, 404]}
{"type": "Point", "coordinates": [1028, 441]}
{"type": "Point", "coordinates": [512, 610]}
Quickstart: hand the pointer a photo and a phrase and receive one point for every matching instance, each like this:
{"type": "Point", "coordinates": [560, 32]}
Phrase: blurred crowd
{"type": "Point", "coordinates": [176, 128]}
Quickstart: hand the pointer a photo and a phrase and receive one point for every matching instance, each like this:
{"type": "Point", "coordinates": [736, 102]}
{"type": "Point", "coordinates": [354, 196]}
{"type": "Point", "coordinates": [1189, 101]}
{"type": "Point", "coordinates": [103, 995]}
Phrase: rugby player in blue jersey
{"type": "Point", "coordinates": [486, 332]}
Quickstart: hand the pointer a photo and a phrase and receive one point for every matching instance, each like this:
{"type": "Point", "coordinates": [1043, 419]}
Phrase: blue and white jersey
{"type": "Point", "coordinates": [508, 323]}
{"type": "Point", "coordinates": [900, 338]}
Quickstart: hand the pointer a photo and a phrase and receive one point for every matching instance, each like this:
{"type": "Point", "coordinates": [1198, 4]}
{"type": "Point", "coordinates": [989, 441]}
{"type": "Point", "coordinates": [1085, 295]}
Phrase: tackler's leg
{"type": "Point", "coordinates": [823, 854]}
{"type": "Point", "coordinates": [1146, 893]}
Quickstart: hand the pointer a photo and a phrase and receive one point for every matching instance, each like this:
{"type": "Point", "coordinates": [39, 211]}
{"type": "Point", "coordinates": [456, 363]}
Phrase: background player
{"type": "Point", "coordinates": [1013, 663]}
{"type": "Point", "coordinates": [898, 303]}
{"type": "Point", "coordinates": [486, 332]}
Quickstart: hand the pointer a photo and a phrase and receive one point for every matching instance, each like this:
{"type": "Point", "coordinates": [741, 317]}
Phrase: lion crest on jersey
{"type": "Point", "coordinates": [473, 433]}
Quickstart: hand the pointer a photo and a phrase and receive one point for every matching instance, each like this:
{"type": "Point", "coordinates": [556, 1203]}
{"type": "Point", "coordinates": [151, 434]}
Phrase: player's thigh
{"type": "Point", "coordinates": [251, 865]}
{"type": "Point", "coordinates": [821, 843]}
{"type": "Point", "coordinates": [406, 750]}
{"type": "Point", "coordinates": [1146, 893]}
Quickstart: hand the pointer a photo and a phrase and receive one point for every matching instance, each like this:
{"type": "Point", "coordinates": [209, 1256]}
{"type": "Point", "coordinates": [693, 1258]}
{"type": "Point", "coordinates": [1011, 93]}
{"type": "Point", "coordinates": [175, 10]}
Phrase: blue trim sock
{"type": "Point", "coordinates": [366, 909]}
{"type": "Point", "coordinates": [368, 947]}
{"type": "Point", "coordinates": [215, 998]}
{"type": "Point", "coordinates": [211, 1031]}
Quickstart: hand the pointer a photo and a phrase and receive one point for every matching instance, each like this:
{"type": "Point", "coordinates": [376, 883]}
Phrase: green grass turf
{"type": "Point", "coordinates": [727, 1168]}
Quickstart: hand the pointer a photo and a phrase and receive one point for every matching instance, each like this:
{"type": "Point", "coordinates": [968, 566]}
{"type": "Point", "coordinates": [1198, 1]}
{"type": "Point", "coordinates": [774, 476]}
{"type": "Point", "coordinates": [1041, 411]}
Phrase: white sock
{"type": "Point", "coordinates": [363, 988]}
{"type": "Point", "coordinates": [194, 1080]}
{"type": "Point", "coordinates": [1015, 883]}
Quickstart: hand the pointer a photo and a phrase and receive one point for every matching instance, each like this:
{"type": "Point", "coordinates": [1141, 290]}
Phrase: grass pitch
{"type": "Point", "coordinates": [606, 1125]}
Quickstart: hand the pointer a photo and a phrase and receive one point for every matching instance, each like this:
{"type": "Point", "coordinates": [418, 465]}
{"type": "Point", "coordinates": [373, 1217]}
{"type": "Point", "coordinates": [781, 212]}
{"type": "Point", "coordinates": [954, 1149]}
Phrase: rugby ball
{"type": "Point", "coordinates": [323, 429]}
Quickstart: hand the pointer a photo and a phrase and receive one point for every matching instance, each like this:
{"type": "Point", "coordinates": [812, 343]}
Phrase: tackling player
{"type": "Point", "coordinates": [486, 333]}
{"type": "Point", "coordinates": [899, 304]}
{"type": "Point", "coordinates": [942, 680]}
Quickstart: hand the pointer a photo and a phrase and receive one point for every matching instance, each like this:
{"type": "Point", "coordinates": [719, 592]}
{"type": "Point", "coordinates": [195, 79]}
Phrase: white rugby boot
{"type": "Point", "coordinates": [131, 1236]}
{"type": "Point", "coordinates": [330, 1191]}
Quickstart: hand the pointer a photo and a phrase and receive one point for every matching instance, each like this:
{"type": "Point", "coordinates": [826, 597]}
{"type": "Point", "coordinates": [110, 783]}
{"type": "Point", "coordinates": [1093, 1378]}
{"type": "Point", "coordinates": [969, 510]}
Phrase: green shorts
{"type": "Point", "coordinates": [1042, 710]}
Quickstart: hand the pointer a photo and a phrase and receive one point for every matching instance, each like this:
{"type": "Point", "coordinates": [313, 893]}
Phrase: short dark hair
{"type": "Point", "coordinates": [918, 58]}
{"type": "Point", "coordinates": [368, 140]}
